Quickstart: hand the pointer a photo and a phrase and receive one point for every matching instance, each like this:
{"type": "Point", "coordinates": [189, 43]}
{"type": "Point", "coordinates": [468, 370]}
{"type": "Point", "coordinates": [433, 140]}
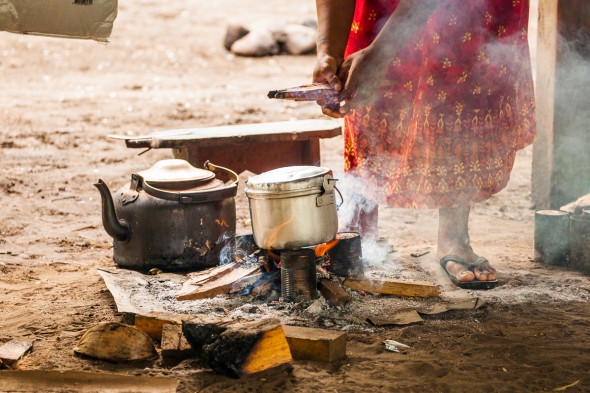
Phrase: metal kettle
{"type": "Point", "coordinates": [172, 216]}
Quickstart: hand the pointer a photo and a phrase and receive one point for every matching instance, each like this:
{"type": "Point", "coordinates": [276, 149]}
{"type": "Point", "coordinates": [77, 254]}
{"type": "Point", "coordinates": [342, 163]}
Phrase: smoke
{"type": "Point", "coordinates": [377, 255]}
{"type": "Point", "coordinates": [236, 248]}
{"type": "Point", "coordinates": [358, 213]}
{"type": "Point", "coordinates": [571, 125]}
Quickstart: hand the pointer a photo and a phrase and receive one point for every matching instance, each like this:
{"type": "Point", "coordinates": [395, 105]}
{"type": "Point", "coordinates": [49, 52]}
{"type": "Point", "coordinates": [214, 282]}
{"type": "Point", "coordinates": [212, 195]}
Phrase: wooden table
{"type": "Point", "coordinates": [254, 147]}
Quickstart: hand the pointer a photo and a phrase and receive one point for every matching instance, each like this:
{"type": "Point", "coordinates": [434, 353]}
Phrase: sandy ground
{"type": "Point", "coordinates": [165, 68]}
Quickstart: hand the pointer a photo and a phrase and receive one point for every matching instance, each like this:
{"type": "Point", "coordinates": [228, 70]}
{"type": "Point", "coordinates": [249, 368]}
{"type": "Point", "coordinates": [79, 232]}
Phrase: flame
{"type": "Point", "coordinates": [321, 249]}
{"type": "Point", "coordinates": [271, 239]}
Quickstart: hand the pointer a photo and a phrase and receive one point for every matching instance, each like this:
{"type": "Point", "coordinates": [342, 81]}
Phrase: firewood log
{"type": "Point", "coordinates": [238, 348]}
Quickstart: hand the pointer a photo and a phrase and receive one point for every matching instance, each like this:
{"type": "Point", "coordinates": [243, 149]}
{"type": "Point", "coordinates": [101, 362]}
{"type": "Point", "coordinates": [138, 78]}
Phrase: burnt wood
{"type": "Point", "coordinates": [238, 348]}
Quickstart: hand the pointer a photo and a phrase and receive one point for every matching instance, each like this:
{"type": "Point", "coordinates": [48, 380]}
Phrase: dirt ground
{"type": "Point", "coordinates": [165, 68]}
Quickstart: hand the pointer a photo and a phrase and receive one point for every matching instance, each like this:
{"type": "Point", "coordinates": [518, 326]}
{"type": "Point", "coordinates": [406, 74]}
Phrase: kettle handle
{"type": "Point", "coordinates": [216, 168]}
{"type": "Point", "coordinates": [228, 191]}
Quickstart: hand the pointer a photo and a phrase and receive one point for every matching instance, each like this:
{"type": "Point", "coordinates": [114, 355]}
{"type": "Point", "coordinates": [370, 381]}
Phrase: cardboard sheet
{"type": "Point", "coordinates": [88, 19]}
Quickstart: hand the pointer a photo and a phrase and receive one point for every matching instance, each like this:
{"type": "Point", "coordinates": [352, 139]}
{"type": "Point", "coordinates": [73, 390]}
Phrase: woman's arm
{"type": "Point", "coordinates": [334, 21]}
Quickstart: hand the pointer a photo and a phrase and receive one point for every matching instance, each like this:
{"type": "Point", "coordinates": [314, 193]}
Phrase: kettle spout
{"type": "Point", "coordinates": [117, 229]}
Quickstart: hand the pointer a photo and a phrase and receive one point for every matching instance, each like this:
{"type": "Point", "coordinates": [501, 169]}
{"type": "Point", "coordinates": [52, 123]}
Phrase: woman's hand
{"type": "Point", "coordinates": [363, 73]}
{"type": "Point", "coordinates": [326, 71]}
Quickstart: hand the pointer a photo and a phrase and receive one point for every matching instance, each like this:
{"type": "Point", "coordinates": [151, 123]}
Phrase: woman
{"type": "Point", "coordinates": [438, 97]}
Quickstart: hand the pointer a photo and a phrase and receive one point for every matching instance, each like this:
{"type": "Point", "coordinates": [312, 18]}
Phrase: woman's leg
{"type": "Point", "coordinates": [453, 239]}
{"type": "Point", "coordinates": [359, 215]}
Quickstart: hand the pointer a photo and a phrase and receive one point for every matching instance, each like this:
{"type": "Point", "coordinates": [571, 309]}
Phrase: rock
{"type": "Point", "coordinates": [296, 39]}
{"type": "Point", "coordinates": [115, 342]}
{"type": "Point", "coordinates": [258, 42]}
{"type": "Point", "coordinates": [233, 33]}
{"type": "Point", "coordinates": [315, 308]}
{"type": "Point", "coordinates": [12, 351]}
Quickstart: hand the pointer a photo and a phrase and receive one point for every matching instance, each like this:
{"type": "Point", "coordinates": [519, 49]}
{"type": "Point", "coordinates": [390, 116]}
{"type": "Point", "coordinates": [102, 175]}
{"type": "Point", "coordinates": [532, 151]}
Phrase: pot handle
{"type": "Point", "coordinates": [338, 205]}
{"type": "Point", "coordinates": [327, 196]}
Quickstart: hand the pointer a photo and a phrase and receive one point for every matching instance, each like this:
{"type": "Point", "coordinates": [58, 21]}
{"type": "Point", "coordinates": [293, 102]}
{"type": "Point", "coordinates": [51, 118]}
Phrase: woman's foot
{"type": "Point", "coordinates": [453, 239]}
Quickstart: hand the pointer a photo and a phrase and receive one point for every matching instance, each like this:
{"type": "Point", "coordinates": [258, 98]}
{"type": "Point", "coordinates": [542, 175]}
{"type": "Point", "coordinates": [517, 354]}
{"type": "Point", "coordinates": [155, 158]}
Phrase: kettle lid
{"type": "Point", "coordinates": [176, 173]}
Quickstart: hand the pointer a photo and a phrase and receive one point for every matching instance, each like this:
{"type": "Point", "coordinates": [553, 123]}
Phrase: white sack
{"type": "Point", "coordinates": [90, 19]}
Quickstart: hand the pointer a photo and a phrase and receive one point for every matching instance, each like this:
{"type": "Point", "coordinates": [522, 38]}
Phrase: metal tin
{"type": "Point", "coordinates": [579, 234]}
{"type": "Point", "coordinates": [345, 258]}
{"type": "Point", "coordinates": [551, 237]}
{"type": "Point", "coordinates": [298, 275]}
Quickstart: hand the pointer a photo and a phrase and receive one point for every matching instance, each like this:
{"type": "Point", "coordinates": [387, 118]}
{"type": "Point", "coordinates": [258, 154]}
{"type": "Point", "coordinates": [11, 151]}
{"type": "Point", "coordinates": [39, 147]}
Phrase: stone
{"type": "Point", "coordinates": [233, 33]}
{"type": "Point", "coordinates": [258, 42]}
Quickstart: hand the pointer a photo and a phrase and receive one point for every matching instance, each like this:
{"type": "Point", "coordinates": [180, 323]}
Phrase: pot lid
{"type": "Point", "coordinates": [289, 178]}
{"type": "Point", "coordinates": [175, 173]}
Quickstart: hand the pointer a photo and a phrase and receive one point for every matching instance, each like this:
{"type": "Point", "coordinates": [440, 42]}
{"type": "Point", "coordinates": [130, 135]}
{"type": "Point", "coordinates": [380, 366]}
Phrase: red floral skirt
{"type": "Point", "coordinates": [455, 106]}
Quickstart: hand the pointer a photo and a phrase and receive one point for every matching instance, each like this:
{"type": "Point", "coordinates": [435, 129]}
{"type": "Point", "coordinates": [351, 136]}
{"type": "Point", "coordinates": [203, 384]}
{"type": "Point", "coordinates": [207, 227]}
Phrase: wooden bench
{"type": "Point", "coordinates": [254, 147]}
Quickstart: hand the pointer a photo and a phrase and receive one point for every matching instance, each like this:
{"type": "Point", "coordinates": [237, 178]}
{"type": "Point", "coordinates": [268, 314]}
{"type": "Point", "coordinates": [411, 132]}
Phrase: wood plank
{"type": "Point", "coordinates": [319, 345]}
{"type": "Point", "coordinates": [245, 282]}
{"type": "Point", "coordinates": [211, 273]}
{"type": "Point", "coordinates": [82, 382]}
{"type": "Point", "coordinates": [216, 287]}
{"type": "Point", "coordinates": [333, 292]}
{"type": "Point", "coordinates": [174, 344]}
{"type": "Point", "coordinates": [13, 350]}
{"type": "Point", "coordinates": [393, 287]}
{"type": "Point", "coordinates": [284, 131]}
{"type": "Point", "coordinates": [153, 323]}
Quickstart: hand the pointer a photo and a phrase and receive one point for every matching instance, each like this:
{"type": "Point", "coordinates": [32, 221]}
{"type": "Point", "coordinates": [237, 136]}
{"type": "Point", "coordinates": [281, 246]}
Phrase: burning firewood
{"type": "Point", "coordinates": [333, 292]}
{"type": "Point", "coordinates": [217, 282]}
{"type": "Point", "coordinates": [238, 348]}
{"type": "Point", "coordinates": [319, 92]}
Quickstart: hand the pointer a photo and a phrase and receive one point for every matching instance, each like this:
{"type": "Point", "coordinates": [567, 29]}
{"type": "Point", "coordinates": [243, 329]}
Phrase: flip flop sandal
{"type": "Point", "coordinates": [484, 284]}
{"type": "Point", "coordinates": [475, 284]}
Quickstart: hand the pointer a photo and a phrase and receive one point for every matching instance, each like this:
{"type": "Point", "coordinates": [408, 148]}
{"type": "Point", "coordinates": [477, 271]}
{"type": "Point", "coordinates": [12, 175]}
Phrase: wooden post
{"type": "Point", "coordinates": [560, 153]}
{"type": "Point", "coordinates": [544, 97]}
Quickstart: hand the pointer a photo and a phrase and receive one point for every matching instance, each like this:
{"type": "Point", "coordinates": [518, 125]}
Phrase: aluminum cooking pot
{"type": "Point", "coordinates": [172, 216]}
{"type": "Point", "coordinates": [293, 207]}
